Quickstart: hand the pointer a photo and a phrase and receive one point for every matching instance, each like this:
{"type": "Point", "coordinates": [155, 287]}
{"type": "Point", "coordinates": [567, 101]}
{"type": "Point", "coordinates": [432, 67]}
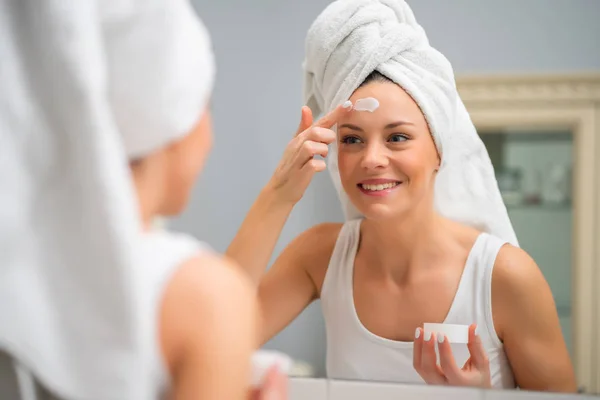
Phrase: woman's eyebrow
{"type": "Point", "coordinates": [353, 127]}
{"type": "Point", "coordinates": [388, 126]}
{"type": "Point", "coordinates": [397, 124]}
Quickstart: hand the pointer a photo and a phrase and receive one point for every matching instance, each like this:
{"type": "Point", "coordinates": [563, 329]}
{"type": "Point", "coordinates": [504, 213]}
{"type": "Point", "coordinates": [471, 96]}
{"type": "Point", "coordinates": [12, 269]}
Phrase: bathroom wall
{"type": "Point", "coordinates": [257, 100]}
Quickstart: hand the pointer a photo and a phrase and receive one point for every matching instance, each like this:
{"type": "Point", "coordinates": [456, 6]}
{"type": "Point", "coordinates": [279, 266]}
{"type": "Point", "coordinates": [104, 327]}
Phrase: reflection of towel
{"type": "Point", "coordinates": [78, 78]}
{"type": "Point", "coordinates": [352, 38]}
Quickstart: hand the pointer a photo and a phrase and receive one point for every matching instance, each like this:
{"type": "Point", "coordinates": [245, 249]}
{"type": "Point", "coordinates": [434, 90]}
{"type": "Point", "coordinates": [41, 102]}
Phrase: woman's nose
{"type": "Point", "coordinates": [375, 156]}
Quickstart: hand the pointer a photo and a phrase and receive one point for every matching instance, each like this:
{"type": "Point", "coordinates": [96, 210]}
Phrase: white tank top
{"type": "Point", "coordinates": [355, 353]}
{"type": "Point", "coordinates": [161, 254]}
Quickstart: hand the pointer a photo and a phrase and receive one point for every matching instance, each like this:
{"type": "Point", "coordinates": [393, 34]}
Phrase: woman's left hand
{"type": "Point", "coordinates": [274, 387]}
{"type": "Point", "coordinates": [475, 372]}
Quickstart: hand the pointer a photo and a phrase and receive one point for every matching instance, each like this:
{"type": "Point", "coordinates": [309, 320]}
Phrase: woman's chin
{"type": "Point", "coordinates": [381, 211]}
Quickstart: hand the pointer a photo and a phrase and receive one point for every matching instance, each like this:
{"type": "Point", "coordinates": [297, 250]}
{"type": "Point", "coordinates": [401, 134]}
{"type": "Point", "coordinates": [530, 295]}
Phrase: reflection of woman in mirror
{"type": "Point", "coordinates": [427, 239]}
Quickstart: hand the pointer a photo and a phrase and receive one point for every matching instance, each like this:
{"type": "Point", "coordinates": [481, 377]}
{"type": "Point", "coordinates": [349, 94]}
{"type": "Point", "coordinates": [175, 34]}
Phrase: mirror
{"type": "Point", "coordinates": [540, 133]}
{"type": "Point", "coordinates": [553, 117]}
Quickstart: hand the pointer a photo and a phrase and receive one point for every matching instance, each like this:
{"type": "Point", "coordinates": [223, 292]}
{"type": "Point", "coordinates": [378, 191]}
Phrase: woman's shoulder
{"type": "Point", "coordinates": [514, 268]}
{"type": "Point", "coordinates": [207, 293]}
{"type": "Point", "coordinates": [321, 234]}
{"type": "Point", "coordinates": [517, 284]}
{"type": "Point", "coordinates": [313, 248]}
{"type": "Point", "coordinates": [316, 243]}
{"type": "Point", "coordinates": [317, 238]}
{"type": "Point", "coordinates": [511, 264]}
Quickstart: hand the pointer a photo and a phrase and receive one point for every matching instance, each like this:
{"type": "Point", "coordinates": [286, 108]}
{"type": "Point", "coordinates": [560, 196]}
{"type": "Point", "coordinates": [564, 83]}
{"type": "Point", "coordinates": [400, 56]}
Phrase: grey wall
{"type": "Point", "coordinates": [259, 48]}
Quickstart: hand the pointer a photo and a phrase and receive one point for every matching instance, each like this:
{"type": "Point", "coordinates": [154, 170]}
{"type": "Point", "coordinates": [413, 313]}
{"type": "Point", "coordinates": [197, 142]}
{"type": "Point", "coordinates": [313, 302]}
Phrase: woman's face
{"type": "Point", "coordinates": [387, 158]}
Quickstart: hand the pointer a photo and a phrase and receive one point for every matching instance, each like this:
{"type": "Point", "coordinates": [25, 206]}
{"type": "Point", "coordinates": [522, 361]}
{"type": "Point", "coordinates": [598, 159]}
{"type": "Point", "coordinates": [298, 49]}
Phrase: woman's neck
{"type": "Point", "coordinates": [397, 248]}
{"type": "Point", "coordinates": [148, 190]}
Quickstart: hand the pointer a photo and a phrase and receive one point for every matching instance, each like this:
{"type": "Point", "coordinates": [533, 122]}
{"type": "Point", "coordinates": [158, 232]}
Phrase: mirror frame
{"type": "Point", "coordinates": [558, 102]}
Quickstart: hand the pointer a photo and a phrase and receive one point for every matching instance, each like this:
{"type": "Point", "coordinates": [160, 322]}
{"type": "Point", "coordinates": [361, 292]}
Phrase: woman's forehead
{"type": "Point", "coordinates": [384, 116]}
{"type": "Point", "coordinates": [391, 100]}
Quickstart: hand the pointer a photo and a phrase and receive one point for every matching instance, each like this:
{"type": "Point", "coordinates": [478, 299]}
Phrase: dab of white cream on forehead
{"type": "Point", "coordinates": [369, 104]}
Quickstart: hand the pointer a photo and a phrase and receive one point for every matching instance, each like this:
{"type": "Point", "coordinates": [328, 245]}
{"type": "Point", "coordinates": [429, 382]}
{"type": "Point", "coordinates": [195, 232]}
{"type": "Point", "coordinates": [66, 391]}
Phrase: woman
{"type": "Point", "coordinates": [427, 237]}
{"type": "Point", "coordinates": [96, 304]}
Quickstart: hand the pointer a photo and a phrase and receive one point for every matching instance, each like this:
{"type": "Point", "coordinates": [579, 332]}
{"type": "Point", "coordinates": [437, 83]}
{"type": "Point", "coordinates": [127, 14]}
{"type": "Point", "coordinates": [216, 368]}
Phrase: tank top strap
{"type": "Point", "coordinates": [473, 299]}
{"type": "Point", "coordinates": [341, 261]}
{"type": "Point", "coordinates": [489, 254]}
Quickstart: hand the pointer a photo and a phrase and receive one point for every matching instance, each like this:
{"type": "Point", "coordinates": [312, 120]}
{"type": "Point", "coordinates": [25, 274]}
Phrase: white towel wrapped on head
{"type": "Point", "coordinates": [352, 38]}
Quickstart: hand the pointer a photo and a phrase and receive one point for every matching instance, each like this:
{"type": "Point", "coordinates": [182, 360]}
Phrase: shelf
{"type": "Point", "coordinates": [541, 206]}
{"type": "Point", "coordinates": [535, 137]}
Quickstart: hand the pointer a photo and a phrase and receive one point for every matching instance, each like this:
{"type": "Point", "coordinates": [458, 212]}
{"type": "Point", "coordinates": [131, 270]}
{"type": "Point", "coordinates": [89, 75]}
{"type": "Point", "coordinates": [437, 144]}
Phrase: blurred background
{"type": "Point", "coordinates": [256, 108]}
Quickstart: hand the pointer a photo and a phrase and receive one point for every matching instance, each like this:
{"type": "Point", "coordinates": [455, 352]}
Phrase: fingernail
{"type": "Point", "coordinates": [427, 336]}
{"type": "Point", "coordinates": [347, 104]}
{"type": "Point", "coordinates": [417, 333]}
{"type": "Point", "coordinates": [477, 330]}
{"type": "Point", "coordinates": [441, 338]}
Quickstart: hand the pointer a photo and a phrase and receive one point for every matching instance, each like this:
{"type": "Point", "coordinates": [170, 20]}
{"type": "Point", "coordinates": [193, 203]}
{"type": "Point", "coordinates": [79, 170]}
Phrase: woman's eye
{"type": "Point", "coordinates": [350, 140]}
{"type": "Point", "coordinates": [398, 138]}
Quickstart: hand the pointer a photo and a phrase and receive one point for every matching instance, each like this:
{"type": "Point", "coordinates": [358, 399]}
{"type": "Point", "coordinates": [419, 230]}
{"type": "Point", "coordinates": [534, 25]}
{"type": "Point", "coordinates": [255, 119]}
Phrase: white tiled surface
{"type": "Point", "coordinates": [524, 395]}
{"type": "Point", "coordinates": [322, 389]}
{"type": "Point", "coordinates": [383, 391]}
{"type": "Point", "coordinates": [307, 389]}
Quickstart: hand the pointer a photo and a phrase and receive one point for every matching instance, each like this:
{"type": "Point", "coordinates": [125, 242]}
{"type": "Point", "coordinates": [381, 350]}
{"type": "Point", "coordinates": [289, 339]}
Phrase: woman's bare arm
{"type": "Point", "coordinates": [208, 330]}
{"type": "Point", "coordinates": [527, 321]}
{"type": "Point", "coordinates": [295, 279]}
{"type": "Point", "coordinates": [253, 245]}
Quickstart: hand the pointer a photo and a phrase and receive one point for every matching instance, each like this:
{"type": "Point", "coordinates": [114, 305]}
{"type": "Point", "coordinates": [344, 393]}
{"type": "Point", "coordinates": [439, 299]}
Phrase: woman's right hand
{"type": "Point", "coordinates": [298, 165]}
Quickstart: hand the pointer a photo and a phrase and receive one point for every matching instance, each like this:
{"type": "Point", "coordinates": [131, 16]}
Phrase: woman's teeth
{"type": "Point", "coordinates": [382, 186]}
